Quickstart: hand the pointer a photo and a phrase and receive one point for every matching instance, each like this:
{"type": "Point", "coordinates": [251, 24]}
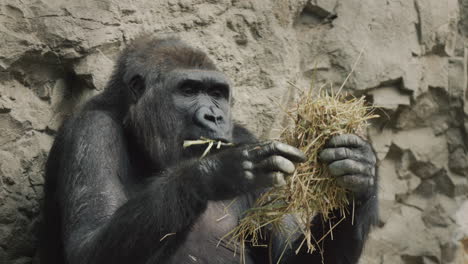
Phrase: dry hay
{"type": "Point", "coordinates": [202, 141]}
{"type": "Point", "coordinates": [311, 189]}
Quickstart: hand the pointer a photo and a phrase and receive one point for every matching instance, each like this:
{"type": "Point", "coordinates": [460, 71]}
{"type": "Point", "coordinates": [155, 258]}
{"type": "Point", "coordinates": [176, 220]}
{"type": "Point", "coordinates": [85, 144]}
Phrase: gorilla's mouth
{"type": "Point", "coordinates": [204, 146]}
{"type": "Point", "coordinates": [208, 139]}
{"type": "Point", "coordinates": [223, 140]}
{"type": "Point", "coordinates": [202, 139]}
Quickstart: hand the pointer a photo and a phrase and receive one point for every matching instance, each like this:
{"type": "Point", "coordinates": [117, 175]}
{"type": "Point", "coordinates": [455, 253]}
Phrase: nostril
{"type": "Point", "coordinates": [210, 118]}
{"type": "Point", "coordinates": [219, 118]}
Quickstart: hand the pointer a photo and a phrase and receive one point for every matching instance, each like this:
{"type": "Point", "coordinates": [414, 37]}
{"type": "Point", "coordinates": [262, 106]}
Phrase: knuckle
{"type": "Point", "coordinates": [276, 160]}
{"type": "Point", "coordinates": [348, 178]}
{"type": "Point", "coordinates": [356, 137]}
{"type": "Point", "coordinates": [335, 168]}
{"type": "Point", "coordinates": [373, 158]}
{"type": "Point", "coordinates": [247, 165]}
{"type": "Point", "coordinates": [245, 154]}
{"type": "Point", "coordinates": [347, 163]}
{"type": "Point", "coordinates": [371, 182]}
{"type": "Point", "coordinates": [327, 155]}
{"type": "Point", "coordinates": [275, 145]}
{"type": "Point", "coordinates": [366, 145]}
{"type": "Point", "coordinates": [269, 162]}
{"type": "Point", "coordinates": [349, 152]}
{"type": "Point", "coordinates": [279, 180]}
{"type": "Point", "coordinates": [363, 168]}
{"type": "Point", "coordinates": [324, 153]}
{"type": "Point", "coordinates": [352, 182]}
{"type": "Point", "coordinates": [343, 152]}
{"type": "Point", "coordinates": [249, 175]}
{"type": "Point", "coordinates": [336, 164]}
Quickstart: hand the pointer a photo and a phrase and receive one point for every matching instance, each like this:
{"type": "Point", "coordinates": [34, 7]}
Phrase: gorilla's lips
{"type": "Point", "coordinates": [220, 139]}
{"type": "Point", "coordinates": [214, 133]}
{"type": "Point", "coordinates": [198, 134]}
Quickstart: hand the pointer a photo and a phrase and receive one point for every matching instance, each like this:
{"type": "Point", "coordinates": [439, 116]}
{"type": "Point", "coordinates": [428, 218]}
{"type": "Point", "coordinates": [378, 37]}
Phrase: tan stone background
{"type": "Point", "coordinates": [56, 53]}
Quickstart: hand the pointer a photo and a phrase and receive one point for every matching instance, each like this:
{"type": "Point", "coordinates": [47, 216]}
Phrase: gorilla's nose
{"type": "Point", "coordinates": [209, 118]}
{"type": "Point", "coordinates": [213, 118]}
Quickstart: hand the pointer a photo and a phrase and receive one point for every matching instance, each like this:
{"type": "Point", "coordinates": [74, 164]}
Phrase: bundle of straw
{"type": "Point", "coordinates": [311, 189]}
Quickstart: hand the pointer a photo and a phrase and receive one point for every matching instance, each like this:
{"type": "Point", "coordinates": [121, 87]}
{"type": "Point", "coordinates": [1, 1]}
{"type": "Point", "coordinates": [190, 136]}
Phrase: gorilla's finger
{"type": "Point", "coordinates": [277, 178]}
{"type": "Point", "coordinates": [368, 155]}
{"type": "Point", "coordinates": [274, 178]}
{"type": "Point", "coordinates": [276, 148]}
{"type": "Point", "coordinates": [356, 182]}
{"type": "Point", "coordinates": [348, 166]}
{"type": "Point", "coordinates": [329, 155]}
{"type": "Point", "coordinates": [277, 163]}
{"type": "Point", "coordinates": [346, 140]}
{"type": "Point", "coordinates": [247, 165]}
{"type": "Point", "coordinates": [289, 152]}
{"type": "Point", "coordinates": [249, 175]}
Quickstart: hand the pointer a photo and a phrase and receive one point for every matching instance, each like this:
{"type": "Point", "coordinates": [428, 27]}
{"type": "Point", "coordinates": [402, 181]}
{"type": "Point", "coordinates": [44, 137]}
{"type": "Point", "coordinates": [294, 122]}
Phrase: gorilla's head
{"type": "Point", "coordinates": [174, 93]}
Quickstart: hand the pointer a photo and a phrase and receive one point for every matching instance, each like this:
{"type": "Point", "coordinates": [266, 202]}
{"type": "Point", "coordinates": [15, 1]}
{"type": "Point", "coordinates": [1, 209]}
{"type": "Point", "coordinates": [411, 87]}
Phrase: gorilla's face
{"type": "Point", "coordinates": [202, 100]}
{"type": "Point", "coordinates": [183, 104]}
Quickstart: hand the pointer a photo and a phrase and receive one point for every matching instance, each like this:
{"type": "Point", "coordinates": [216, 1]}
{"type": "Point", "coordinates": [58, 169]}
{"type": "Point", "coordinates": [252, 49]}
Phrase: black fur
{"type": "Point", "coordinates": [121, 189]}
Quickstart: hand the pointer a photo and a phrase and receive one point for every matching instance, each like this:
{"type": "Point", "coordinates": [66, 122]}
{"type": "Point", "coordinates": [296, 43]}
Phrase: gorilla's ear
{"type": "Point", "coordinates": [137, 86]}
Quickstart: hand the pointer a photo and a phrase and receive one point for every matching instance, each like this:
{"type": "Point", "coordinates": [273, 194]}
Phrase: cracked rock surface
{"type": "Point", "coordinates": [55, 54]}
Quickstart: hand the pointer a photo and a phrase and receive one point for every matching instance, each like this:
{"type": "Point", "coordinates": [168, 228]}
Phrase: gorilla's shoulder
{"type": "Point", "coordinates": [88, 123]}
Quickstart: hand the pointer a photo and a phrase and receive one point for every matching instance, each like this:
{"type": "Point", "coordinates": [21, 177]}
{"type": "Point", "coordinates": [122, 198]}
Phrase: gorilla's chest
{"type": "Point", "coordinates": [203, 243]}
{"type": "Point", "coordinates": [218, 219]}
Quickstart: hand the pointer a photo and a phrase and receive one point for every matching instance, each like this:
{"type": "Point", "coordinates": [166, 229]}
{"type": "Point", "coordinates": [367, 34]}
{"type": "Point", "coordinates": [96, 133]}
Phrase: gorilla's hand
{"type": "Point", "coordinates": [352, 161]}
{"type": "Point", "coordinates": [266, 164]}
{"type": "Point", "coordinates": [250, 167]}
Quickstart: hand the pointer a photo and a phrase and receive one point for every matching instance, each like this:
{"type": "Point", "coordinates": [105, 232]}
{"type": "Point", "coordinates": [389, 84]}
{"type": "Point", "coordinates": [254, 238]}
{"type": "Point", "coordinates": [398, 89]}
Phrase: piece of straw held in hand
{"type": "Point", "coordinates": [310, 190]}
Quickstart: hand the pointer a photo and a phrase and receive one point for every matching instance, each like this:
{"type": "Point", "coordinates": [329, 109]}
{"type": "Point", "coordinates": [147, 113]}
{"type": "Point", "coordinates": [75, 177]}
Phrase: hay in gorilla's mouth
{"type": "Point", "coordinates": [209, 142]}
{"type": "Point", "coordinates": [310, 190]}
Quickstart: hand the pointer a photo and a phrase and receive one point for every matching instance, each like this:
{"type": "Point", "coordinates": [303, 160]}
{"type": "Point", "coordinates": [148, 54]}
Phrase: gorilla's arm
{"type": "Point", "coordinates": [352, 161]}
{"type": "Point", "coordinates": [348, 238]}
{"type": "Point", "coordinates": [103, 223]}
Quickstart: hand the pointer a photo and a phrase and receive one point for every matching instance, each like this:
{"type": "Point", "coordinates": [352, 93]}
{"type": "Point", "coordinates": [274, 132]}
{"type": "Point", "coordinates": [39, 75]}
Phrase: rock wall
{"type": "Point", "coordinates": [54, 54]}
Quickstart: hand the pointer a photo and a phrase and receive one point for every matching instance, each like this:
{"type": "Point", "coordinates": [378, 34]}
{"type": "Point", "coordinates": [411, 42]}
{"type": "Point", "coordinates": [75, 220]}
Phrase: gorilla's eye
{"type": "Point", "coordinates": [191, 87]}
{"type": "Point", "coordinates": [215, 93]}
{"type": "Point", "coordinates": [219, 91]}
{"type": "Point", "coordinates": [189, 90]}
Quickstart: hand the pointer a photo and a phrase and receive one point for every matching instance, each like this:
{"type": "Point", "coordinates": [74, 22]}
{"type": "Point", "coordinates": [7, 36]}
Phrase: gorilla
{"type": "Point", "coordinates": [120, 187]}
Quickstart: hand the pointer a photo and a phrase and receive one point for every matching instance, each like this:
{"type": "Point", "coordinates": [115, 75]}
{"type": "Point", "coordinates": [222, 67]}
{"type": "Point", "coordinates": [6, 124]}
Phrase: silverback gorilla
{"type": "Point", "coordinates": [120, 187]}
